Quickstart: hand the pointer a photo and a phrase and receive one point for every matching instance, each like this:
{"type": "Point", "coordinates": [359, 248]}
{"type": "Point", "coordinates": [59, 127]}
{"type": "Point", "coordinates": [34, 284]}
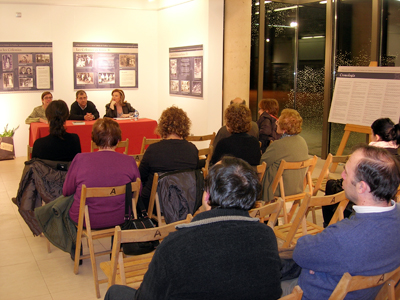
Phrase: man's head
{"type": "Point", "coordinates": [238, 100]}
{"type": "Point", "coordinates": [371, 176]}
{"type": "Point", "coordinates": [232, 183]}
{"type": "Point", "coordinates": [81, 98]}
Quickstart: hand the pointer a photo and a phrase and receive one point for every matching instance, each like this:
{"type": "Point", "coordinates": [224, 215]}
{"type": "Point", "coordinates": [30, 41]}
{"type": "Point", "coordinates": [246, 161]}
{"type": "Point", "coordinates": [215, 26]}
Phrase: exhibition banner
{"type": "Point", "coordinates": [364, 94]}
{"type": "Point", "coordinates": [26, 66]}
{"type": "Point", "coordinates": [105, 65]}
{"type": "Point", "coordinates": [186, 71]}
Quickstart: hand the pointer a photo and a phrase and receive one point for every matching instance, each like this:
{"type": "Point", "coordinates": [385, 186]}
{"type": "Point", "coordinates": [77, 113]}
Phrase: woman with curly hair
{"type": "Point", "coordinates": [240, 144]}
{"type": "Point", "coordinates": [118, 107]}
{"type": "Point", "coordinates": [59, 145]}
{"type": "Point", "coordinates": [290, 147]}
{"type": "Point", "coordinates": [172, 153]}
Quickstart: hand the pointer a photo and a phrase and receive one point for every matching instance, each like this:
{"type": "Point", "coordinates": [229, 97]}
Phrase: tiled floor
{"type": "Point", "coordinates": [27, 271]}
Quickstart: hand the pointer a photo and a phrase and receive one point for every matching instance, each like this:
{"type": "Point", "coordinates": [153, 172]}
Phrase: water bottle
{"type": "Point", "coordinates": [136, 115]}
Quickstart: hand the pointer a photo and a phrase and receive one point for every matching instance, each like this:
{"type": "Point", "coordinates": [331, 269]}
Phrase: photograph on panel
{"type": "Point", "coordinates": [7, 62]}
{"type": "Point", "coordinates": [25, 58]}
{"type": "Point", "coordinates": [127, 60]}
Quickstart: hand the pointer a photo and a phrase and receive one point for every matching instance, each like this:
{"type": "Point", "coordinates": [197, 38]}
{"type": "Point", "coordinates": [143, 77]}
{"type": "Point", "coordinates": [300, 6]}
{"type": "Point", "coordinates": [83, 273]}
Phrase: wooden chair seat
{"type": "Point", "coordinates": [290, 232]}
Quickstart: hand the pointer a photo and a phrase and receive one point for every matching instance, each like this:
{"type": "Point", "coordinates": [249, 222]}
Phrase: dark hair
{"type": "Point", "coordinates": [106, 133]}
{"type": "Point", "coordinates": [386, 130]}
{"type": "Point", "coordinates": [173, 120]}
{"type": "Point", "coordinates": [80, 92]}
{"type": "Point", "coordinates": [270, 105]}
{"type": "Point", "coordinates": [57, 113]}
{"type": "Point", "coordinates": [380, 170]}
{"type": "Point", "coordinates": [232, 183]}
{"type": "Point", "coordinates": [238, 118]}
{"type": "Point", "coordinates": [45, 94]}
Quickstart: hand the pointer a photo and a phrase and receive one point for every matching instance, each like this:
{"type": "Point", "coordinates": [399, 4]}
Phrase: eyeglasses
{"type": "Point", "coordinates": [48, 97]}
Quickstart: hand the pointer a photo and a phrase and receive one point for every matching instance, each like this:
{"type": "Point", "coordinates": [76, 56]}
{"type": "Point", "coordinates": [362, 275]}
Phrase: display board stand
{"type": "Point", "coordinates": [347, 130]}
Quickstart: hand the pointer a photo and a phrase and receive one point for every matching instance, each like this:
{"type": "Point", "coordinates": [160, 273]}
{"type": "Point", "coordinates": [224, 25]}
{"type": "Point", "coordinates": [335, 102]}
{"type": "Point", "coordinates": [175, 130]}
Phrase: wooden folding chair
{"type": "Point", "coordinates": [269, 211]}
{"type": "Point", "coordinates": [290, 232]}
{"type": "Point", "coordinates": [296, 294]}
{"type": "Point", "coordinates": [204, 152]}
{"type": "Point", "coordinates": [147, 142]}
{"type": "Point", "coordinates": [308, 166]}
{"type": "Point", "coordinates": [29, 152]}
{"type": "Point", "coordinates": [86, 231]}
{"type": "Point", "coordinates": [260, 169]}
{"type": "Point", "coordinates": [350, 283]}
{"type": "Point", "coordinates": [121, 144]}
{"type": "Point", "coordinates": [130, 270]}
{"type": "Point", "coordinates": [138, 158]}
{"type": "Point", "coordinates": [320, 182]}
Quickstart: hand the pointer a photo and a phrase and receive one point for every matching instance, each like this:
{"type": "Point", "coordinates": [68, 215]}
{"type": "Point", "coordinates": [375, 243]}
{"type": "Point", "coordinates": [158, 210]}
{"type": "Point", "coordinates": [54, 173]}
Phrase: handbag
{"type": "Point", "coordinates": [142, 222]}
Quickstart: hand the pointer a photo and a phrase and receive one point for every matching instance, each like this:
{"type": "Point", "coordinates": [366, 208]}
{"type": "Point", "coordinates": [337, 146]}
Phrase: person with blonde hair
{"type": "Point", "coordinates": [240, 144]}
{"type": "Point", "coordinates": [39, 113]}
{"type": "Point", "coordinates": [172, 153]}
{"type": "Point", "coordinates": [290, 147]}
{"type": "Point", "coordinates": [268, 111]}
{"type": "Point", "coordinates": [118, 107]}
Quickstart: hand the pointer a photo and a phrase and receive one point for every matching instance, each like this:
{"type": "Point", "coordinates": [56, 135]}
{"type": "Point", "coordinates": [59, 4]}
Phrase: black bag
{"type": "Point", "coordinates": [142, 222]}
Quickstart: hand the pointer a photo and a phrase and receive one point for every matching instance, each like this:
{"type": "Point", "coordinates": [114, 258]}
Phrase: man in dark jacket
{"type": "Point", "coordinates": [222, 253]}
{"type": "Point", "coordinates": [83, 109]}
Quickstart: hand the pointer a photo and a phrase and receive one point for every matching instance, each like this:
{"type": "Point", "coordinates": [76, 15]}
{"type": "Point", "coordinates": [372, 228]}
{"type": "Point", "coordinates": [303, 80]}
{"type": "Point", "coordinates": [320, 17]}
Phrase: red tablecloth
{"type": "Point", "coordinates": [133, 130]}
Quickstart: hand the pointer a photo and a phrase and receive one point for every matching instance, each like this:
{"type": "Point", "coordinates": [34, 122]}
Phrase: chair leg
{"type": "Point", "coordinates": [94, 266]}
{"type": "Point", "coordinates": [292, 210]}
{"type": "Point", "coordinates": [77, 253]}
{"type": "Point", "coordinates": [48, 246]}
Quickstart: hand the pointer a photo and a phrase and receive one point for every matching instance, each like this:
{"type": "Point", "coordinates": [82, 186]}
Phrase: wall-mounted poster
{"type": "Point", "coordinates": [26, 66]}
{"type": "Point", "coordinates": [105, 65]}
{"type": "Point", "coordinates": [186, 71]}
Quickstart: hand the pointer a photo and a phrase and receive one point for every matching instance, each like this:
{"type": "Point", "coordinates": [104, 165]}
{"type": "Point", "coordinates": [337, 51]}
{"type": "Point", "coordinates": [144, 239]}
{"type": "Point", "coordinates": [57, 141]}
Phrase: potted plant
{"type": "Point", "coordinates": [7, 143]}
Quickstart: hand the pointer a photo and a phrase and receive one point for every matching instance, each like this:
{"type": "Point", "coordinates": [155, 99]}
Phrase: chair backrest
{"type": "Point", "coordinates": [296, 294]}
{"type": "Point", "coordinates": [201, 138]}
{"type": "Point", "coordinates": [137, 235]}
{"type": "Point", "coordinates": [350, 283]}
{"type": "Point", "coordinates": [308, 166]}
{"type": "Point", "coordinates": [147, 142]}
{"type": "Point", "coordinates": [260, 169]}
{"type": "Point", "coordinates": [269, 211]}
{"type": "Point", "coordinates": [104, 192]}
{"type": "Point", "coordinates": [29, 152]}
{"type": "Point", "coordinates": [138, 158]}
{"type": "Point", "coordinates": [323, 176]}
{"type": "Point", "coordinates": [121, 144]}
{"type": "Point", "coordinates": [170, 188]}
{"type": "Point", "coordinates": [316, 201]}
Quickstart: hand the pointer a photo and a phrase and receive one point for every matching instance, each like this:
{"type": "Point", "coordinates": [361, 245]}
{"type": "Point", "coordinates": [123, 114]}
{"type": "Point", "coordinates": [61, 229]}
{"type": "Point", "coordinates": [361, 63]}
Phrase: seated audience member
{"type": "Point", "coordinates": [59, 145]}
{"type": "Point", "coordinates": [101, 169]}
{"type": "Point", "coordinates": [268, 110]}
{"type": "Point", "coordinates": [222, 253]}
{"type": "Point", "coordinates": [240, 144]}
{"type": "Point", "coordinates": [172, 153]}
{"type": "Point", "coordinates": [385, 134]}
{"type": "Point", "coordinates": [223, 131]}
{"type": "Point", "coordinates": [39, 113]}
{"type": "Point", "coordinates": [118, 107]}
{"type": "Point", "coordinates": [83, 109]}
{"type": "Point", "coordinates": [290, 147]}
{"type": "Point", "coordinates": [366, 244]}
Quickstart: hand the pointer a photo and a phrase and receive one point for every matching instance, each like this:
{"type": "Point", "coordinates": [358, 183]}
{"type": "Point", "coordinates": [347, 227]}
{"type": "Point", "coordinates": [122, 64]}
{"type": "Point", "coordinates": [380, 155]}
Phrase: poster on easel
{"type": "Point", "coordinates": [26, 66]}
{"type": "Point", "coordinates": [186, 71]}
{"type": "Point", "coordinates": [105, 65]}
{"type": "Point", "coordinates": [364, 94]}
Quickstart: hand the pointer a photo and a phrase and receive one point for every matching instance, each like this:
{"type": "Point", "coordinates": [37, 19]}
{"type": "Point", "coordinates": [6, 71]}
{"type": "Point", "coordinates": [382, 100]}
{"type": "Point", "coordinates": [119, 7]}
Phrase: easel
{"type": "Point", "coordinates": [352, 128]}
{"type": "Point", "coordinates": [347, 130]}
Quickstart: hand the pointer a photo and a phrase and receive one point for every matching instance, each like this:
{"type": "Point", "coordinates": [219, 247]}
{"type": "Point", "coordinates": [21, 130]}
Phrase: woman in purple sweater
{"type": "Point", "coordinates": [104, 168]}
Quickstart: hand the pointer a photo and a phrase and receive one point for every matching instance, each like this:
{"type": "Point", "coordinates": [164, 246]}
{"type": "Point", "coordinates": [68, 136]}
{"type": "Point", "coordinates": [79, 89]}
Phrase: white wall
{"type": "Point", "coordinates": [196, 22]}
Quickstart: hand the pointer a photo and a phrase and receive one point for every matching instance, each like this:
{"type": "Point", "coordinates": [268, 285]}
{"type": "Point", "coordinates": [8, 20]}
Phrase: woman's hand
{"type": "Point", "coordinates": [125, 116]}
{"type": "Point", "coordinates": [112, 104]}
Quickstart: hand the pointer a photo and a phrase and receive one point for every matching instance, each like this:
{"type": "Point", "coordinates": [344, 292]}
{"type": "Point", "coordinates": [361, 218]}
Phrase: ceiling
{"type": "Point", "coordinates": [127, 4]}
